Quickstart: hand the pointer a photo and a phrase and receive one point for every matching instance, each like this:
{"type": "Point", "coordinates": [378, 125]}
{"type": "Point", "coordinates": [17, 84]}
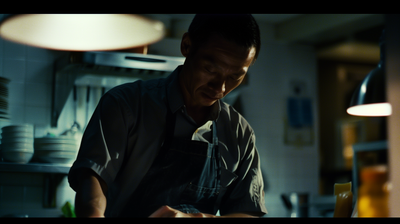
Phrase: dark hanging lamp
{"type": "Point", "coordinates": [369, 99]}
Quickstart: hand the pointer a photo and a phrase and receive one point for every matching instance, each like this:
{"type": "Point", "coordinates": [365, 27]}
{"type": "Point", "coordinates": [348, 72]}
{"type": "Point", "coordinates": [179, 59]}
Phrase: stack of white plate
{"type": "Point", "coordinates": [4, 99]}
{"type": "Point", "coordinates": [55, 149]}
{"type": "Point", "coordinates": [17, 143]}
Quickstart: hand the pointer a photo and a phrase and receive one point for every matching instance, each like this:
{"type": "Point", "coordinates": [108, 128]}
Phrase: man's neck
{"type": "Point", "coordinates": [199, 115]}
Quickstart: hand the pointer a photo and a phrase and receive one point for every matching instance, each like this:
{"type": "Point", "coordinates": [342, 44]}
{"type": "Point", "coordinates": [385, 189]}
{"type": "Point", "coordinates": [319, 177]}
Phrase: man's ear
{"type": "Point", "coordinates": [186, 44]}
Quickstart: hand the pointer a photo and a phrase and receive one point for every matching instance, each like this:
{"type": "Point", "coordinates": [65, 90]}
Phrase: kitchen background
{"type": "Point", "coordinates": [307, 160]}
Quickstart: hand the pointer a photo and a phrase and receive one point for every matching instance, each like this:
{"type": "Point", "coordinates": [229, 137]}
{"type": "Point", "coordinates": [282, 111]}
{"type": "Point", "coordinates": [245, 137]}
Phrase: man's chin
{"type": "Point", "coordinates": [209, 103]}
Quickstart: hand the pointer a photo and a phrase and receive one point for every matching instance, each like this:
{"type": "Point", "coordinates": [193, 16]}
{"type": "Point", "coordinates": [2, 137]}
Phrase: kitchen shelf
{"type": "Point", "coordinates": [35, 167]}
{"type": "Point", "coordinates": [53, 174]}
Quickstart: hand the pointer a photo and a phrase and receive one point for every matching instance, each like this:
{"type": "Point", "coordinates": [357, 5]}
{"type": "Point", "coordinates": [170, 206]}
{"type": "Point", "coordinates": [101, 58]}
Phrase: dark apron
{"type": "Point", "coordinates": [185, 175]}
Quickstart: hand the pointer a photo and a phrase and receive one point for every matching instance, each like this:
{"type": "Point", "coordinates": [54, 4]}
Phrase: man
{"type": "Point", "coordinates": [170, 147]}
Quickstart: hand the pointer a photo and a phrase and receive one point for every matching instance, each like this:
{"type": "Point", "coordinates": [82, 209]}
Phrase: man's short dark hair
{"type": "Point", "coordinates": [239, 28]}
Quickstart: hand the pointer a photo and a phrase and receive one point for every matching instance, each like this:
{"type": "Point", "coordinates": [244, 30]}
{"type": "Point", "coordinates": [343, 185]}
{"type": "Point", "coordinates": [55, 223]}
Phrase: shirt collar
{"type": "Point", "coordinates": [216, 108]}
{"type": "Point", "coordinates": [175, 97]}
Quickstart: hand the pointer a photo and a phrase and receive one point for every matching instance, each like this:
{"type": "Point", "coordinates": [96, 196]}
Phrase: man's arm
{"type": "Point", "coordinates": [166, 211]}
{"type": "Point", "coordinates": [90, 199]}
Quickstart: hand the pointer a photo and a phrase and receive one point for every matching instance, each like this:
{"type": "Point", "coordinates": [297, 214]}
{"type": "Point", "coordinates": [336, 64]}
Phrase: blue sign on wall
{"type": "Point", "coordinates": [299, 111]}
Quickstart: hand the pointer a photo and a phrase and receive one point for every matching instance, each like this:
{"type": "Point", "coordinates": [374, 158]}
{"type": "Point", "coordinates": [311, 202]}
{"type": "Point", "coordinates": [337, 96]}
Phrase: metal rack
{"type": "Point", "coordinates": [104, 69]}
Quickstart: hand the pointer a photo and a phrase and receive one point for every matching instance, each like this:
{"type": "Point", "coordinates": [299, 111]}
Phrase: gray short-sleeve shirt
{"type": "Point", "coordinates": [127, 129]}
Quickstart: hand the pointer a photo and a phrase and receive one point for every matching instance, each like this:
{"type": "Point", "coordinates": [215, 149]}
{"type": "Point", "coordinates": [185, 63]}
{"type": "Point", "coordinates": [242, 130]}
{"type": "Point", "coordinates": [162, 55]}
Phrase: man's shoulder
{"type": "Point", "coordinates": [138, 88]}
{"type": "Point", "coordinates": [150, 87]}
{"type": "Point", "coordinates": [229, 111]}
{"type": "Point", "coordinates": [229, 114]}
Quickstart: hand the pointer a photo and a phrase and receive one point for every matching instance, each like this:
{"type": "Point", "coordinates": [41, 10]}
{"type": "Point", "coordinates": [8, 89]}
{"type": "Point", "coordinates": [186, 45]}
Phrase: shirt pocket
{"type": "Point", "coordinates": [202, 198]}
{"type": "Point", "coordinates": [207, 199]}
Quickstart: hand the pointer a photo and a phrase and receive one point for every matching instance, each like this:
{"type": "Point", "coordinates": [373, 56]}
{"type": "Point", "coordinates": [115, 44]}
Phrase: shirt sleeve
{"type": "Point", "coordinates": [103, 144]}
{"type": "Point", "coordinates": [246, 193]}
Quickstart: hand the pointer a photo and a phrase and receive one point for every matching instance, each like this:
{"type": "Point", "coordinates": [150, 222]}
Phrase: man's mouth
{"type": "Point", "coordinates": [212, 98]}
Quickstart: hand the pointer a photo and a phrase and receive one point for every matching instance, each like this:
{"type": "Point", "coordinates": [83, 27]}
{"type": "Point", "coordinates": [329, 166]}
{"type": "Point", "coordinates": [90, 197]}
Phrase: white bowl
{"type": "Point", "coordinates": [17, 139]}
{"type": "Point", "coordinates": [17, 146]}
{"type": "Point", "coordinates": [19, 134]}
{"type": "Point", "coordinates": [54, 153]}
{"type": "Point", "coordinates": [4, 122]}
{"type": "Point", "coordinates": [18, 128]}
{"type": "Point", "coordinates": [57, 147]}
{"type": "Point", "coordinates": [16, 149]}
{"type": "Point", "coordinates": [55, 140]}
{"type": "Point", "coordinates": [52, 156]}
{"type": "Point", "coordinates": [17, 157]}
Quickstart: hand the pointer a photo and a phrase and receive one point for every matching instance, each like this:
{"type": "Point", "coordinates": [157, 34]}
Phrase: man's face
{"type": "Point", "coordinates": [213, 70]}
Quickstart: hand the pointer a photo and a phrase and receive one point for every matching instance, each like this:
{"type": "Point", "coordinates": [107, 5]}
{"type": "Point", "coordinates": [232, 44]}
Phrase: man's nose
{"type": "Point", "coordinates": [218, 85]}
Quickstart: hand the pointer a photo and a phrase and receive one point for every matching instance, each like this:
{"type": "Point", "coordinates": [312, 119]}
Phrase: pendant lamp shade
{"type": "Point", "coordinates": [82, 32]}
{"type": "Point", "coordinates": [369, 99]}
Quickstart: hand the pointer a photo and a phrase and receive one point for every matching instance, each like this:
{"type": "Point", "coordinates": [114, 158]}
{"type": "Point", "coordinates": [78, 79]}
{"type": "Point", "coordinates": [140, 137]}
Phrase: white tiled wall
{"type": "Point", "coordinates": [286, 168]}
{"type": "Point", "coordinates": [30, 72]}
